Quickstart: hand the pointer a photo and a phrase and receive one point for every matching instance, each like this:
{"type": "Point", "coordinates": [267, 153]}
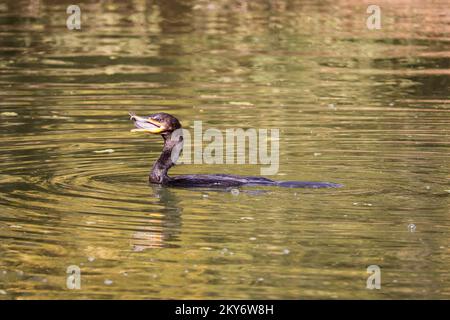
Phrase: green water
{"type": "Point", "coordinates": [365, 108]}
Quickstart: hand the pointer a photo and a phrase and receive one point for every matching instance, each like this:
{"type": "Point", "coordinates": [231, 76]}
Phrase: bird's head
{"type": "Point", "coordinates": [157, 123]}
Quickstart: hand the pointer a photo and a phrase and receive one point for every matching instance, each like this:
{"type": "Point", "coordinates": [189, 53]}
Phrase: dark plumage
{"type": "Point", "coordinates": [165, 125]}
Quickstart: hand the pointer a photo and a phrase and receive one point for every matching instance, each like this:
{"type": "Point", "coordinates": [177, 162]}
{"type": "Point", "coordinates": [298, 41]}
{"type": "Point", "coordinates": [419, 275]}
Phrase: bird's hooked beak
{"type": "Point", "coordinates": [147, 125]}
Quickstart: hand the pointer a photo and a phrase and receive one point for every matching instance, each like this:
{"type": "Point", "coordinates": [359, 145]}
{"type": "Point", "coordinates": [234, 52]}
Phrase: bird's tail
{"type": "Point", "coordinates": [307, 184]}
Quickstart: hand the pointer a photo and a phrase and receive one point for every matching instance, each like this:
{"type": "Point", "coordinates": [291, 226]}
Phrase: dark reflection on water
{"type": "Point", "coordinates": [164, 232]}
{"type": "Point", "coordinates": [368, 109]}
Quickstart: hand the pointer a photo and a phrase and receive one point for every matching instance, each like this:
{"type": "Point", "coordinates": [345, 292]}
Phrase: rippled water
{"type": "Point", "coordinates": [365, 108]}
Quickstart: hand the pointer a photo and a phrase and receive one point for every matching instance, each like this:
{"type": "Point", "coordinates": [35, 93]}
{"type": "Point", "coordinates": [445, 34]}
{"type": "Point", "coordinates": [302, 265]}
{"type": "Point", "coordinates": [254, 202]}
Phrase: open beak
{"type": "Point", "coordinates": [147, 125]}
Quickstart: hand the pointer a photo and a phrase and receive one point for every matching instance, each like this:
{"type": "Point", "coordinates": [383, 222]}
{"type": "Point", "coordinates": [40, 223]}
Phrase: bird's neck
{"type": "Point", "coordinates": [173, 144]}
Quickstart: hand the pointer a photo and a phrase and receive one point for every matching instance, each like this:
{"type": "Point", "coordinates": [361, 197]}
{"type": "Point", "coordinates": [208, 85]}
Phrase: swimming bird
{"type": "Point", "coordinates": [169, 128]}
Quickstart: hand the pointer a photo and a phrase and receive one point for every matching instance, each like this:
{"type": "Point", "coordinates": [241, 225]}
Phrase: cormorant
{"type": "Point", "coordinates": [170, 129]}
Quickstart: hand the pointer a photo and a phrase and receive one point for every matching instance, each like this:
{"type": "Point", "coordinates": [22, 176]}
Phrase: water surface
{"type": "Point", "coordinates": [365, 108]}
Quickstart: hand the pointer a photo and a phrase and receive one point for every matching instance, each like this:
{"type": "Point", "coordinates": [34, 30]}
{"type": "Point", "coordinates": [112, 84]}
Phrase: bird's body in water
{"type": "Point", "coordinates": [170, 129]}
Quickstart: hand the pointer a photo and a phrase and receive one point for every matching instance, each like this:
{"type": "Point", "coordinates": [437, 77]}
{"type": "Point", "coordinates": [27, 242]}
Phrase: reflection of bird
{"type": "Point", "coordinates": [167, 126]}
{"type": "Point", "coordinates": [162, 228]}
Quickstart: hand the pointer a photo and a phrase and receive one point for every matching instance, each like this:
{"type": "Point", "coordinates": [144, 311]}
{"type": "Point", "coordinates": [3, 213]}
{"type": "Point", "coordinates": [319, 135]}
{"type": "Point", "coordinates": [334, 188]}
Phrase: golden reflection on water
{"type": "Point", "coordinates": [369, 109]}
